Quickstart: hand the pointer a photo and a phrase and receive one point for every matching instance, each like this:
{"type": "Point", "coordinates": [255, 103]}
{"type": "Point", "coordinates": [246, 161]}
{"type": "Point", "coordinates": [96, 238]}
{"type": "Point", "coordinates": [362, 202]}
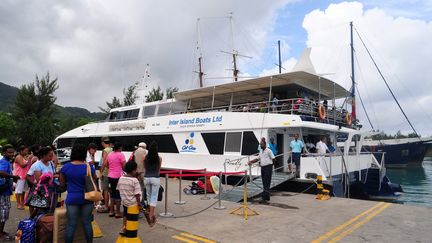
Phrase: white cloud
{"type": "Point", "coordinates": [96, 48]}
{"type": "Point", "coordinates": [401, 47]}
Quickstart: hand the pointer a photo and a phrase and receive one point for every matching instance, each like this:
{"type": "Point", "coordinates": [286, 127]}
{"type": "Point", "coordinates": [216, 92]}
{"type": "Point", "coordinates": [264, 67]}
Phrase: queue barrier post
{"type": "Point", "coordinates": [219, 206]}
{"type": "Point", "coordinates": [205, 197]}
{"type": "Point", "coordinates": [180, 192]}
{"type": "Point", "coordinates": [166, 214]}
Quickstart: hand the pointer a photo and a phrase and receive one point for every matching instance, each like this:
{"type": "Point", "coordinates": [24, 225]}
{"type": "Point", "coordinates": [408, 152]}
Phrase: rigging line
{"type": "Point", "coordinates": [367, 115]}
{"type": "Point", "coordinates": [362, 77]}
{"type": "Point", "coordinates": [385, 81]}
{"type": "Point", "coordinates": [387, 65]}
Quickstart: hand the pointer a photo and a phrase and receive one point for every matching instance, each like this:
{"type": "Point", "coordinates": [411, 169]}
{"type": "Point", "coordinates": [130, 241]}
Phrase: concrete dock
{"type": "Point", "coordinates": [290, 217]}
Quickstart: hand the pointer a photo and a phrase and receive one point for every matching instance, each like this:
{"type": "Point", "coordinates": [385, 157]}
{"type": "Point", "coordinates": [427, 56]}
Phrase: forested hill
{"type": "Point", "coordinates": [7, 99]}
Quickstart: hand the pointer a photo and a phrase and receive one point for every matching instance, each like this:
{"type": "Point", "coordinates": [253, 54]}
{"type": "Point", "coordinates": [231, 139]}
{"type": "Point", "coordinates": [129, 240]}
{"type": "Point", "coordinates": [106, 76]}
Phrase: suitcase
{"type": "Point", "coordinates": [60, 221]}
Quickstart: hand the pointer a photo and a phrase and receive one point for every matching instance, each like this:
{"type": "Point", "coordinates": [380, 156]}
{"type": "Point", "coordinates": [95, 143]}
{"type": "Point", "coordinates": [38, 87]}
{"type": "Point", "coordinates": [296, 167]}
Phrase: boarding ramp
{"type": "Point", "coordinates": [254, 184]}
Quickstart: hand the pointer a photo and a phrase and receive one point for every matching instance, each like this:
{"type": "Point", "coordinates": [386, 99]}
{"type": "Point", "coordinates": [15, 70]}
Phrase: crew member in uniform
{"type": "Point", "coordinates": [266, 158]}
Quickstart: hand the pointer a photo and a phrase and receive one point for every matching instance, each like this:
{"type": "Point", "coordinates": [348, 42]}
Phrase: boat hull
{"type": "Point", "coordinates": [401, 155]}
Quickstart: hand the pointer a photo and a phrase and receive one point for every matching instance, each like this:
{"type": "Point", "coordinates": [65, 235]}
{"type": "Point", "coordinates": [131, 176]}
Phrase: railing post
{"type": "Point", "coordinates": [245, 215]}
{"type": "Point", "coordinates": [205, 185]}
{"type": "Point", "coordinates": [180, 185]}
{"type": "Point", "coordinates": [166, 213]}
{"type": "Point", "coordinates": [219, 206]}
{"type": "Point", "coordinates": [226, 181]}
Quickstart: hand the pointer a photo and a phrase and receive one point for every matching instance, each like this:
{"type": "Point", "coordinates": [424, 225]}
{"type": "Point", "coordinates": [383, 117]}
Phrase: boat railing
{"type": "Point", "coordinates": [308, 109]}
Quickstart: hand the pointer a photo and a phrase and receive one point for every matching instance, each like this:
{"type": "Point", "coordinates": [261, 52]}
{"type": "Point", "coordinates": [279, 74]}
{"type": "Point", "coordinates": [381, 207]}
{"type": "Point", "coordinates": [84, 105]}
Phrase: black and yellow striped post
{"type": "Point", "coordinates": [322, 194]}
{"type": "Point", "coordinates": [132, 225]}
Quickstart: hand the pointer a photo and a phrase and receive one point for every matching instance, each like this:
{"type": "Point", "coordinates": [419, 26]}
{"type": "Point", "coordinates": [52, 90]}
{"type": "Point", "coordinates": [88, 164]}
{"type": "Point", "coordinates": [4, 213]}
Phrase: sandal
{"type": "Point", "coordinates": [111, 215]}
{"type": "Point", "coordinates": [6, 237]}
{"type": "Point", "coordinates": [103, 210]}
{"type": "Point", "coordinates": [154, 221]}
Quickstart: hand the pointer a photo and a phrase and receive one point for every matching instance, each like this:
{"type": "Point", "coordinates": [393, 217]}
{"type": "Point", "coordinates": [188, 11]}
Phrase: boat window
{"type": "Point", "coordinates": [165, 142]}
{"type": "Point", "coordinates": [178, 107]}
{"type": "Point", "coordinates": [233, 142]}
{"type": "Point", "coordinates": [149, 111]}
{"type": "Point", "coordinates": [65, 142]}
{"type": "Point", "coordinates": [131, 114]}
{"type": "Point", "coordinates": [250, 143]}
{"type": "Point", "coordinates": [214, 142]}
{"type": "Point", "coordinates": [112, 116]}
{"type": "Point", "coordinates": [164, 109]}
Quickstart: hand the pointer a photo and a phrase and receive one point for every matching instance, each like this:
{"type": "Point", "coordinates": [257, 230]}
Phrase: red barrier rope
{"type": "Point", "coordinates": [176, 171]}
{"type": "Point", "coordinates": [207, 174]}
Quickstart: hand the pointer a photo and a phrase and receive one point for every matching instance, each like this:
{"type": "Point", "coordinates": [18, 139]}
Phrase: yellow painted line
{"type": "Point", "coordinates": [198, 238]}
{"type": "Point", "coordinates": [183, 239]}
{"type": "Point", "coordinates": [359, 224]}
{"type": "Point", "coordinates": [344, 225]}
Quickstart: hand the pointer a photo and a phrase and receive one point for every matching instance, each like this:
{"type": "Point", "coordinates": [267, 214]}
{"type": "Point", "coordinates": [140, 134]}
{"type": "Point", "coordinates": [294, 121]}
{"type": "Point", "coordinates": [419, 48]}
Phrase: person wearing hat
{"type": "Point", "coordinates": [139, 155]}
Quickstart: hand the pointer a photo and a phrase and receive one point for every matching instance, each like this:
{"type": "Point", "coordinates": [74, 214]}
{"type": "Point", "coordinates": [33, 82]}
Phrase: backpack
{"type": "Point", "coordinates": [26, 232]}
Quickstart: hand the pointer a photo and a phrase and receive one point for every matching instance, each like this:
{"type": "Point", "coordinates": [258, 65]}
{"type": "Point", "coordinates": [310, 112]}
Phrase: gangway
{"type": "Point", "coordinates": [254, 187]}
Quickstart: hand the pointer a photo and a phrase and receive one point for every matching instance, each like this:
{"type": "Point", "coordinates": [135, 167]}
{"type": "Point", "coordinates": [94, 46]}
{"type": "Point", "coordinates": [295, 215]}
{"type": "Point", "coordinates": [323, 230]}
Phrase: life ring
{"type": "Point", "coordinates": [348, 119]}
{"type": "Point", "coordinates": [322, 112]}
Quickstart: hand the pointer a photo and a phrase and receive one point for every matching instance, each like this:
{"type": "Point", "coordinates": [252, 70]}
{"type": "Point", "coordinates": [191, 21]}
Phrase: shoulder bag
{"type": "Point", "coordinates": [91, 191]}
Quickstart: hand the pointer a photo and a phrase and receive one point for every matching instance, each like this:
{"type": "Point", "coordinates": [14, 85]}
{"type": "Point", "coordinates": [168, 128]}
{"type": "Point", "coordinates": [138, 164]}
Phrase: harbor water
{"type": "Point", "coordinates": [416, 183]}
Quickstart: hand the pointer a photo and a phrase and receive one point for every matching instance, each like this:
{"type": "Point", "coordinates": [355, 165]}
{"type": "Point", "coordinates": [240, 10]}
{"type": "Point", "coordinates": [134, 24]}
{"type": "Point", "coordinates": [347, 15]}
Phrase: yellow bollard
{"type": "Point", "coordinates": [132, 225]}
{"type": "Point", "coordinates": [97, 232]}
{"type": "Point", "coordinates": [322, 194]}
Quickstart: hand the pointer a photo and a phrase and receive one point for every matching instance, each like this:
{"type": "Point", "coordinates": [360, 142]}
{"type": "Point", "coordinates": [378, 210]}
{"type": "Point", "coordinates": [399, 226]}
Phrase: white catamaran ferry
{"type": "Point", "coordinates": [219, 128]}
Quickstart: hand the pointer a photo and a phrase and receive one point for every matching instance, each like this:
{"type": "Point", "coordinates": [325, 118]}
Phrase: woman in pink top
{"type": "Point", "coordinates": [116, 161]}
{"type": "Point", "coordinates": [21, 165]}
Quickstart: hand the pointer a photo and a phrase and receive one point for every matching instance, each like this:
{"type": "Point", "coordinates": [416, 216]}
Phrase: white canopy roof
{"type": "Point", "coordinates": [327, 88]}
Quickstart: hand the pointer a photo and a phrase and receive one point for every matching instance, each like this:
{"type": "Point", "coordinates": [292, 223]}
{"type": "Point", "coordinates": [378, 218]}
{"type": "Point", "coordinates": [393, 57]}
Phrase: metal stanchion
{"type": "Point", "coordinates": [219, 206]}
{"type": "Point", "coordinates": [180, 192]}
{"type": "Point", "coordinates": [166, 213]}
{"type": "Point", "coordinates": [205, 185]}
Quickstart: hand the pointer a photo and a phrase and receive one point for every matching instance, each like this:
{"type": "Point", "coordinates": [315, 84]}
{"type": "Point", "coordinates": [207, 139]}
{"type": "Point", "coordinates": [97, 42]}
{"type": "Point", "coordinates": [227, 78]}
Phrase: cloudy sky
{"type": "Point", "coordinates": [97, 48]}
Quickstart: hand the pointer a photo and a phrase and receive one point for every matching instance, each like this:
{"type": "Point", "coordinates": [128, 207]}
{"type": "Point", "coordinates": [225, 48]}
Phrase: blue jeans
{"type": "Point", "coordinates": [152, 185]}
{"type": "Point", "coordinates": [74, 214]}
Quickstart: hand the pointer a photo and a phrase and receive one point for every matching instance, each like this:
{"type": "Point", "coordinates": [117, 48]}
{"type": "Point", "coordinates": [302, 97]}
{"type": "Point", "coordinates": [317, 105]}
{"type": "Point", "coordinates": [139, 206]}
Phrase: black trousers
{"type": "Point", "coordinates": [266, 174]}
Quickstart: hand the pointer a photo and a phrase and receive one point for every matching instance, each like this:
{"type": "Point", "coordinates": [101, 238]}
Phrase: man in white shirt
{"type": "Point", "coordinates": [140, 154]}
{"type": "Point", "coordinates": [266, 158]}
{"type": "Point", "coordinates": [321, 146]}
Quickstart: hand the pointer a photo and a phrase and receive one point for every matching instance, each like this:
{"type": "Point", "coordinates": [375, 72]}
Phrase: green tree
{"type": "Point", "coordinates": [34, 110]}
{"type": "Point", "coordinates": [170, 92]}
{"type": "Point", "coordinates": [130, 95]}
{"type": "Point", "coordinates": [110, 105]}
{"type": "Point", "coordinates": [155, 94]}
{"type": "Point", "coordinates": [7, 128]}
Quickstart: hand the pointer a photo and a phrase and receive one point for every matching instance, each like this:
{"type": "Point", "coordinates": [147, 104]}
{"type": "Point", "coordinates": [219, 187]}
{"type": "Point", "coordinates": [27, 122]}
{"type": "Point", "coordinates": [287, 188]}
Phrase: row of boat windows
{"type": "Point", "coordinates": [149, 111]}
{"type": "Point", "coordinates": [217, 143]}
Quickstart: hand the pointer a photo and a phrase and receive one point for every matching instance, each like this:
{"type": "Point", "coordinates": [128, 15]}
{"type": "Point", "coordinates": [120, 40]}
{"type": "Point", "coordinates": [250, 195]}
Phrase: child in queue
{"type": "Point", "coordinates": [130, 190]}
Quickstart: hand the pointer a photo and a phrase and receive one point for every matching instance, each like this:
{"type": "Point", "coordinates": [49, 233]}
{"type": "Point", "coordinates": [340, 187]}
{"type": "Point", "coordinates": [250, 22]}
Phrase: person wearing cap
{"type": "Point", "coordinates": [140, 154]}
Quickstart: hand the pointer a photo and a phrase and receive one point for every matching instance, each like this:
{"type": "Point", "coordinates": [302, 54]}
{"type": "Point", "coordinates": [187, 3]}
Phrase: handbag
{"type": "Point", "coordinates": [91, 191]}
{"type": "Point", "coordinates": [160, 194]}
{"type": "Point", "coordinates": [40, 196]}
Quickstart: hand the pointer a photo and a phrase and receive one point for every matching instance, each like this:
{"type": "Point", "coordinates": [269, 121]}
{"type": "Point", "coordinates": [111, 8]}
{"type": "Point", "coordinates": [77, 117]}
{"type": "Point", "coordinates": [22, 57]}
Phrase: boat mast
{"type": "Point", "coordinates": [280, 61]}
{"type": "Point", "coordinates": [200, 69]}
{"type": "Point", "coordinates": [353, 107]}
